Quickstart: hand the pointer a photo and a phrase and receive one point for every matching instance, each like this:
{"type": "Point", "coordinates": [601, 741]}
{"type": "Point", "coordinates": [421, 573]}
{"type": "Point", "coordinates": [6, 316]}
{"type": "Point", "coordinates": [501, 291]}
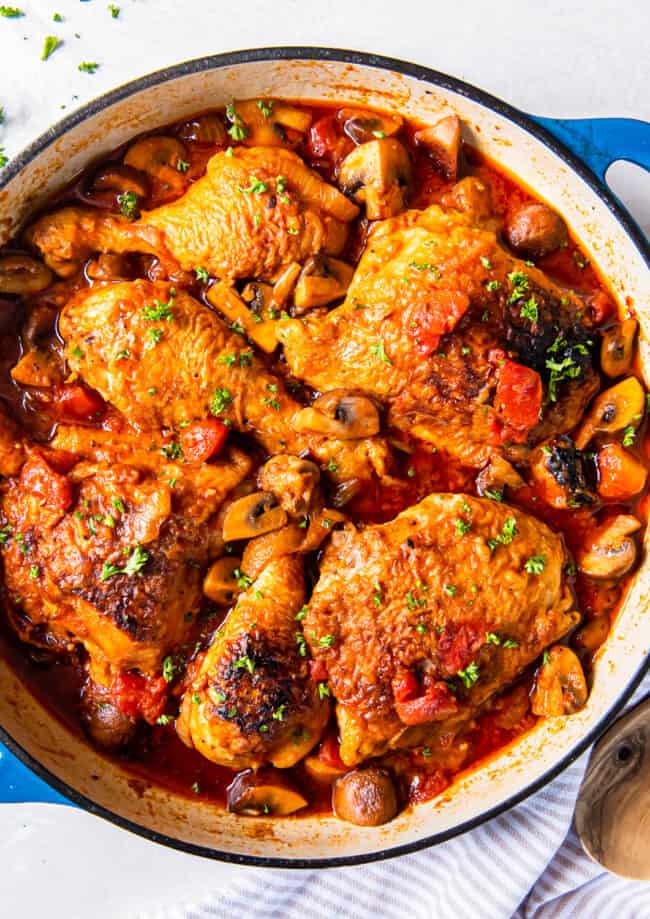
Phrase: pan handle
{"type": "Point", "coordinates": [19, 784]}
{"type": "Point", "coordinates": [599, 142]}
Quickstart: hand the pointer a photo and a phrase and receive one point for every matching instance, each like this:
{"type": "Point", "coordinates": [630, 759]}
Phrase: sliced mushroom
{"type": "Point", "coordinates": [302, 537]}
{"type": "Point", "coordinates": [610, 553]}
{"type": "Point", "coordinates": [492, 480]}
{"type": "Point", "coordinates": [263, 122]}
{"type": "Point", "coordinates": [592, 634]}
{"type": "Point", "coordinates": [259, 297]}
{"type": "Point", "coordinates": [107, 726]}
{"type": "Point", "coordinates": [617, 348]}
{"type": "Point", "coordinates": [21, 274]}
{"type": "Point", "coordinates": [159, 156]}
{"type": "Point", "coordinates": [561, 687]}
{"type": "Point", "coordinates": [362, 125]}
{"type": "Point", "coordinates": [206, 129]}
{"type": "Point", "coordinates": [227, 301]}
{"type": "Point", "coordinates": [110, 181]}
{"type": "Point", "coordinates": [472, 196]}
{"type": "Point", "coordinates": [220, 583]}
{"type": "Point", "coordinates": [442, 141]}
{"type": "Point", "coordinates": [322, 280]}
{"type": "Point", "coordinates": [293, 479]}
{"type": "Point", "coordinates": [365, 797]}
{"type": "Point", "coordinates": [285, 283]}
{"type": "Point", "coordinates": [322, 772]}
{"type": "Point", "coordinates": [38, 367]}
{"type": "Point", "coordinates": [339, 413]}
{"type": "Point", "coordinates": [558, 471]}
{"type": "Point", "coordinates": [253, 515]}
{"type": "Point", "coordinates": [265, 792]}
{"type": "Point", "coordinates": [535, 230]}
{"type": "Point", "coordinates": [377, 174]}
{"type": "Point", "coordinates": [621, 406]}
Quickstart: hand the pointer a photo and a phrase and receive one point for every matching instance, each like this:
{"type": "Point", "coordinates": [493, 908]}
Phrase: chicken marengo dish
{"type": "Point", "coordinates": [321, 454]}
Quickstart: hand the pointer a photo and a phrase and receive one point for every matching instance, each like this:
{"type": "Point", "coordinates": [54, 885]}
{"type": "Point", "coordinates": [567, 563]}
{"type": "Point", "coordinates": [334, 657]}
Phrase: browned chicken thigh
{"type": "Point", "coordinates": [418, 621]}
{"type": "Point", "coordinates": [469, 347]}
{"type": "Point", "coordinates": [253, 700]}
{"type": "Point", "coordinates": [163, 360]}
{"type": "Point", "coordinates": [253, 212]}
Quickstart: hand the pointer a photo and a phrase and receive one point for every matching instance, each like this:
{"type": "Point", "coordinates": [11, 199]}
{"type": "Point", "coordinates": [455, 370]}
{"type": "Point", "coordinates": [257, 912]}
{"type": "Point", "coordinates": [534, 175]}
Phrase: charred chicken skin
{"type": "Point", "coordinates": [253, 700]}
{"type": "Point", "coordinates": [431, 614]}
{"type": "Point", "coordinates": [456, 336]}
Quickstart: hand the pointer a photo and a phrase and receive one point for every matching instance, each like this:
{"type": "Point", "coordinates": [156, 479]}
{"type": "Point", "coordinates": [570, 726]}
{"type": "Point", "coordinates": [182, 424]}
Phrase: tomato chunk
{"type": "Point", "coordinates": [317, 671]}
{"type": "Point", "coordinates": [328, 751]}
{"type": "Point", "coordinates": [54, 489]}
{"type": "Point", "coordinates": [518, 402]}
{"type": "Point", "coordinates": [426, 785]}
{"type": "Point", "coordinates": [405, 686]}
{"type": "Point", "coordinates": [76, 402]}
{"type": "Point", "coordinates": [440, 315]}
{"type": "Point", "coordinates": [458, 644]}
{"type": "Point", "coordinates": [203, 440]}
{"type": "Point", "coordinates": [138, 696]}
{"type": "Point", "coordinates": [324, 140]}
{"type": "Point", "coordinates": [436, 704]}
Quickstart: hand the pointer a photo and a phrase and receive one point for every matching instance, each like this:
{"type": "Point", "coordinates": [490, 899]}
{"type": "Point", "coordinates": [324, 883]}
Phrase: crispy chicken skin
{"type": "Point", "coordinates": [172, 378]}
{"type": "Point", "coordinates": [419, 600]}
{"type": "Point", "coordinates": [253, 700]}
{"type": "Point", "coordinates": [106, 555]}
{"type": "Point", "coordinates": [251, 214]}
{"type": "Point", "coordinates": [435, 305]}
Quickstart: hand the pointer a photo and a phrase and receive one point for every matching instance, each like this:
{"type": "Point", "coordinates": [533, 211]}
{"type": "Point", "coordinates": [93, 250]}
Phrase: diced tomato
{"type": "Point", "coordinates": [76, 402]}
{"type": "Point", "coordinates": [405, 686]}
{"type": "Point", "coordinates": [436, 704]}
{"type": "Point", "coordinates": [328, 751]}
{"type": "Point", "coordinates": [203, 440]}
{"type": "Point", "coordinates": [318, 671]}
{"type": "Point", "coordinates": [138, 696]}
{"type": "Point", "coordinates": [458, 644]}
{"type": "Point", "coordinates": [518, 402]}
{"type": "Point", "coordinates": [54, 489]}
{"type": "Point", "coordinates": [324, 139]}
{"type": "Point", "coordinates": [426, 785]}
{"type": "Point", "coordinates": [441, 315]}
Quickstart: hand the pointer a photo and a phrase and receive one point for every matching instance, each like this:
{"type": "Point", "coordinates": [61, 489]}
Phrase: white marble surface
{"type": "Point", "coordinates": [570, 58]}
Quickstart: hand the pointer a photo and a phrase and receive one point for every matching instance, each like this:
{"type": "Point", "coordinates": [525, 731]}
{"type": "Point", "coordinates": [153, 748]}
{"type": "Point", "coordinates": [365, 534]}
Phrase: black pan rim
{"type": "Point", "coordinates": [509, 112]}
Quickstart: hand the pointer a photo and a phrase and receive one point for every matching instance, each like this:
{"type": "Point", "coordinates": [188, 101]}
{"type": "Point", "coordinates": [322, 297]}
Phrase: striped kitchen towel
{"type": "Point", "coordinates": [526, 864]}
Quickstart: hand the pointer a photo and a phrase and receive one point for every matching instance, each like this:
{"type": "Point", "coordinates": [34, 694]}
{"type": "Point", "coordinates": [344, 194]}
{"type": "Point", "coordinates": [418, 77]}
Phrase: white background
{"type": "Point", "coordinates": [550, 58]}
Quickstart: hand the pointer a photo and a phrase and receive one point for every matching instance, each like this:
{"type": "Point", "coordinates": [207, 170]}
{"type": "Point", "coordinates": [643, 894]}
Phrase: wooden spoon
{"type": "Point", "coordinates": [613, 808]}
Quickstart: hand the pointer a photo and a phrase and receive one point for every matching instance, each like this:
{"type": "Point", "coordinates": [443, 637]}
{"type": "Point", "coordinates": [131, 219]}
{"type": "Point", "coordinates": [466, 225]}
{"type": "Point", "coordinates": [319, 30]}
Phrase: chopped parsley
{"type": "Point", "coordinates": [450, 589]}
{"type": "Point", "coordinates": [485, 261]}
{"type": "Point", "coordinates": [77, 352]}
{"type": "Point", "coordinates": [109, 571]}
{"type": "Point", "coordinates": [505, 537]}
{"type": "Point", "coordinates": [546, 658]}
{"type": "Point", "coordinates": [377, 597]}
{"type": "Point", "coordinates": [202, 274]}
{"type": "Point", "coordinates": [565, 362]}
{"type": "Point", "coordinates": [469, 675]}
{"type": "Point", "coordinates": [273, 403]}
{"type": "Point", "coordinates": [530, 310]}
{"type": "Point", "coordinates": [256, 187]}
{"type": "Point", "coordinates": [118, 504]}
{"type": "Point", "coordinates": [379, 351]}
{"type": "Point", "coordinates": [156, 335]}
{"type": "Point", "coordinates": [169, 668]}
{"type": "Point", "coordinates": [493, 285]}
{"type": "Point", "coordinates": [245, 663]}
{"type": "Point", "coordinates": [237, 129]}
{"type": "Point", "coordinates": [227, 359]}
{"type": "Point", "coordinates": [50, 45]}
{"type": "Point", "coordinates": [57, 17]}
{"type": "Point", "coordinates": [629, 435]}
{"type": "Point", "coordinates": [172, 451]}
{"type": "Point", "coordinates": [414, 602]}
{"type": "Point", "coordinates": [88, 67]}
{"type": "Point", "coordinates": [220, 400]}
{"type": "Point", "coordinates": [519, 283]}
{"type": "Point", "coordinates": [535, 564]}
{"type": "Point", "coordinates": [491, 638]}
{"type": "Point", "coordinates": [266, 108]}
{"type": "Point", "coordinates": [243, 580]}
{"type": "Point", "coordinates": [494, 493]}
{"type": "Point", "coordinates": [302, 644]}
{"type": "Point", "coordinates": [510, 643]}
{"type": "Point", "coordinates": [182, 165]}
{"type": "Point", "coordinates": [462, 526]}
{"type": "Point", "coordinates": [5, 534]}
{"type": "Point", "coordinates": [160, 312]}
{"type": "Point", "coordinates": [278, 714]}
{"type": "Point", "coordinates": [123, 355]}
{"type": "Point", "coordinates": [300, 615]}
{"type": "Point", "coordinates": [34, 572]}
{"type": "Point", "coordinates": [164, 720]}
{"type": "Point", "coordinates": [323, 691]}
{"type": "Point", "coordinates": [136, 561]}
{"type": "Point", "coordinates": [326, 641]}
{"type": "Point", "coordinates": [128, 202]}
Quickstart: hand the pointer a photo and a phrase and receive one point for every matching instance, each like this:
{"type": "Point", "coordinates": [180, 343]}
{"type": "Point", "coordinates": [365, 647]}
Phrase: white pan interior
{"type": "Point", "coordinates": [528, 761]}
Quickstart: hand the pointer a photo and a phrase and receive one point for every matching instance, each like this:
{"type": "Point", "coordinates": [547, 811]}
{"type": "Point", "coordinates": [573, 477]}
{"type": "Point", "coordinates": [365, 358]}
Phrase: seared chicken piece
{"type": "Point", "coordinates": [253, 700]}
{"type": "Point", "coordinates": [252, 213]}
{"type": "Point", "coordinates": [100, 556]}
{"type": "Point", "coordinates": [454, 334]}
{"type": "Point", "coordinates": [420, 620]}
{"type": "Point", "coordinates": [163, 360]}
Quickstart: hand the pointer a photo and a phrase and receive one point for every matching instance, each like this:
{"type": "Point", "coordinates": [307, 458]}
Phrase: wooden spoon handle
{"type": "Point", "coordinates": [613, 807]}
